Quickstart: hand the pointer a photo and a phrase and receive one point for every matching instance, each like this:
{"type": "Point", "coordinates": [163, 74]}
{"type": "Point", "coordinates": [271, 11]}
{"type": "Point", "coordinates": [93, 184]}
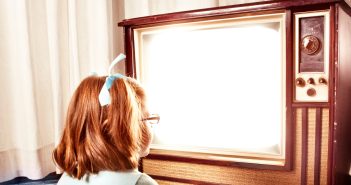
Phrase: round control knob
{"type": "Point", "coordinates": [300, 82]}
{"type": "Point", "coordinates": [310, 44]}
{"type": "Point", "coordinates": [311, 81]}
{"type": "Point", "coordinates": [322, 80]}
{"type": "Point", "coordinates": [311, 92]}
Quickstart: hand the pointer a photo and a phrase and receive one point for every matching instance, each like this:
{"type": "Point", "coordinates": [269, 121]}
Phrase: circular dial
{"type": "Point", "coordinates": [300, 82]}
{"type": "Point", "coordinates": [310, 44]}
{"type": "Point", "coordinates": [311, 92]}
{"type": "Point", "coordinates": [322, 80]}
{"type": "Point", "coordinates": [310, 81]}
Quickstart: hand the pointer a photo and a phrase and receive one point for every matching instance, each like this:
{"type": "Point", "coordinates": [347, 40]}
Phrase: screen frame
{"type": "Point", "coordinates": [222, 160]}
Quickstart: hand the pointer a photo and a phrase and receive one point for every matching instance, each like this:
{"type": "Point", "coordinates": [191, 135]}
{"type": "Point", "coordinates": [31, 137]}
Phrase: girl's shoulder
{"type": "Point", "coordinates": [109, 178]}
{"type": "Point", "coordinates": [145, 179]}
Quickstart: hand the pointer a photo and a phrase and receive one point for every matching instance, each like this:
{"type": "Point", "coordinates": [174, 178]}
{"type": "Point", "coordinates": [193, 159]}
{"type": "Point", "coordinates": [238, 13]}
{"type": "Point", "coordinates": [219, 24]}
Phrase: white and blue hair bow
{"type": "Point", "coordinates": [104, 96]}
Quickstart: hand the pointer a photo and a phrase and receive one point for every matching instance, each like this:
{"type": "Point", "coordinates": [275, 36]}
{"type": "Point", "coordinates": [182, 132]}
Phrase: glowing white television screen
{"type": "Point", "coordinates": [218, 85]}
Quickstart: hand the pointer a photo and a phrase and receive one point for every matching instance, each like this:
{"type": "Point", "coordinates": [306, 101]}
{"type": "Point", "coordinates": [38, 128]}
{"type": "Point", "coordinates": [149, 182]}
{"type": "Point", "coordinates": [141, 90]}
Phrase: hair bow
{"type": "Point", "coordinates": [104, 96]}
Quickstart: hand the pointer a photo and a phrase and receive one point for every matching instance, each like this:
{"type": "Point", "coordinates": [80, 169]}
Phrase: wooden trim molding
{"type": "Point", "coordinates": [222, 11]}
{"type": "Point", "coordinates": [333, 74]}
{"type": "Point", "coordinates": [290, 119]}
{"type": "Point", "coordinates": [196, 160]}
{"type": "Point", "coordinates": [129, 48]}
{"type": "Point", "coordinates": [310, 105]}
{"type": "Point", "coordinates": [304, 142]}
{"type": "Point", "coordinates": [318, 141]}
{"type": "Point", "coordinates": [345, 7]}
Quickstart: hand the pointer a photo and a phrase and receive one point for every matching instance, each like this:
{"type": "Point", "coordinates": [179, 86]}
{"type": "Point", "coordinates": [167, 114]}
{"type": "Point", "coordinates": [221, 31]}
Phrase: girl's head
{"type": "Point", "coordinates": [111, 137]}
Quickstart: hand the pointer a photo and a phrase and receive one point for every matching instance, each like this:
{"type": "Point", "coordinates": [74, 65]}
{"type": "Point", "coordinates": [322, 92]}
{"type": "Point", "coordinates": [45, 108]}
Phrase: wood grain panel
{"type": "Point", "coordinates": [311, 145]}
{"type": "Point", "coordinates": [304, 150]}
{"type": "Point", "coordinates": [324, 147]}
{"type": "Point", "coordinates": [317, 146]}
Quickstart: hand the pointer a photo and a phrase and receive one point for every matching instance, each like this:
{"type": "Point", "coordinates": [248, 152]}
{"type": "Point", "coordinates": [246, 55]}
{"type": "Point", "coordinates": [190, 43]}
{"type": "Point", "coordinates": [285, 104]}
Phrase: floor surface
{"type": "Point", "coordinates": [50, 179]}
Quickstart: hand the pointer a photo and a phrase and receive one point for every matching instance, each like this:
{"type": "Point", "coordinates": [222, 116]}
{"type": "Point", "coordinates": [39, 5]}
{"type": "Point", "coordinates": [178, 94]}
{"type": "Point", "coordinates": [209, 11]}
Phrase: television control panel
{"type": "Point", "coordinates": [311, 78]}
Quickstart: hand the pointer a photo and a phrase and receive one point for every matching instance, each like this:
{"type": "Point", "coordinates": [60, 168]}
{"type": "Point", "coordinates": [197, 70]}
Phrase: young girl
{"type": "Point", "coordinates": [102, 145]}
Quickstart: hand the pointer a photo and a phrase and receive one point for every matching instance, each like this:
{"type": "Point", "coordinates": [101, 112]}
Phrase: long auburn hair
{"type": "Point", "coordinates": [99, 138]}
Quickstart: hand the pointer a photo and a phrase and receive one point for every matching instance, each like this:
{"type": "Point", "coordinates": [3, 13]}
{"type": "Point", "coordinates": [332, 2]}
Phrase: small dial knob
{"type": "Point", "coordinates": [311, 81]}
{"type": "Point", "coordinates": [311, 92]}
{"type": "Point", "coordinates": [310, 44]}
{"type": "Point", "coordinates": [322, 80]}
{"type": "Point", "coordinates": [300, 82]}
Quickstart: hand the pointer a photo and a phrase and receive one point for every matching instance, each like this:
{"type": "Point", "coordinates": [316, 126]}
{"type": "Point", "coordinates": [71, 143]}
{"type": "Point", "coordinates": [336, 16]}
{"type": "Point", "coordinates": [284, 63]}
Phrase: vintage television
{"type": "Point", "coordinates": [255, 93]}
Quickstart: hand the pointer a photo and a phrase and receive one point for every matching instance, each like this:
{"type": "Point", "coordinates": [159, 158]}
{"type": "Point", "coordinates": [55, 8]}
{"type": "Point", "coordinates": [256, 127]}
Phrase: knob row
{"type": "Point", "coordinates": [300, 82]}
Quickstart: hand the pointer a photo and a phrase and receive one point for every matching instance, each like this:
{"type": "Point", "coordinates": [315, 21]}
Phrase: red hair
{"type": "Point", "coordinates": [99, 138]}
